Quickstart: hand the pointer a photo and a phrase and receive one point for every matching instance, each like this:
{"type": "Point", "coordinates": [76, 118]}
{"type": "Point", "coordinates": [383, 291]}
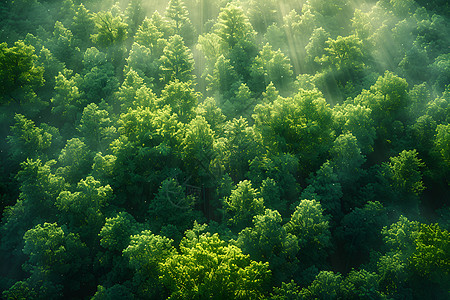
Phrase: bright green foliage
{"type": "Point", "coordinates": [82, 26]}
{"type": "Point", "coordinates": [347, 158]}
{"type": "Point", "coordinates": [316, 48]}
{"type": "Point", "coordinates": [268, 241]}
{"type": "Point", "coordinates": [96, 128]}
{"type": "Point", "coordinates": [442, 142]}
{"type": "Point", "coordinates": [82, 210]}
{"type": "Point", "coordinates": [209, 110]}
{"type": "Point", "coordinates": [179, 15]}
{"type": "Point", "coordinates": [431, 256]}
{"type": "Point", "coordinates": [357, 120]}
{"type": "Point", "coordinates": [28, 140]}
{"type": "Point", "coordinates": [404, 172]}
{"type": "Point", "coordinates": [39, 186]}
{"type": "Point", "coordinates": [393, 89]}
{"type": "Point", "coordinates": [75, 160]}
{"type": "Point", "coordinates": [141, 60]}
{"type": "Point", "coordinates": [111, 29]}
{"type": "Point", "coordinates": [272, 66]}
{"type": "Point", "coordinates": [98, 77]}
{"type": "Point", "coordinates": [145, 253]}
{"type": "Point", "coordinates": [57, 256]}
{"type": "Point", "coordinates": [198, 146]}
{"type": "Point", "coordinates": [19, 73]}
{"type": "Point", "coordinates": [177, 61]}
{"type": "Point", "coordinates": [326, 285]}
{"type": "Point", "coordinates": [233, 26]}
{"type": "Point", "coordinates": [181, 99]}
{"type": "Point", "coordinates": [399, 235]}
{"type": "Point", "coordinates": [241, 142]}
{"type": "Point", "coordinates": [287, 291]}
{"type": "Point", "coordinates": [312, 229]}
{"type": "Point", "coordinates": [149, 36]}
{"type": "Point", "coordinates": [67, 100]}
{"type": "Point", "coordinates": [207, 268]}
{"type": "Point", "coordinates": [345, 53]}
{"type": "Point", "coordinates": [361, 285]}
{"type": "Point", "coordinates": [115, 235]}
{"type": "Point", "coordinates": [299, 125]}
{"type": "Point", "coordinates": [243, 204]}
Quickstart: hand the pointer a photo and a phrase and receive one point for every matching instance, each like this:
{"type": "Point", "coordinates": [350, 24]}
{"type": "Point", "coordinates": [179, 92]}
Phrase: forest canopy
{"type": "Point", "coordinates": [224, 149]}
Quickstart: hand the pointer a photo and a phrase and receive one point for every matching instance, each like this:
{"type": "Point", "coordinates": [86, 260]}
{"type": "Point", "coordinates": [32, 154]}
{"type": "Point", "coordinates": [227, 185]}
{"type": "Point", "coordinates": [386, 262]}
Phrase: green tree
{"type": "Point", "coordinates": [404, 172]}
{"type": "Point", "coordinates": [146, 253]}
{"type": "Point", "coordinates": [442, 143]}
{"type": "Point", "coordinates": [233, 26]}
{"type": "Point", "coordinates": [57, 256]}
{"type": "Point", "coordinates": [177, 61]}
{"type": "Point", "coordinates": [312, 229]}
{"type": "Point", "coordinates": [326, 285]}
{"type": "Point", "coordinates": [207, 267]}
{"type": "Point", "coordinates": [181, 99]}
{"type": "Point", "coordinates": [179, 15]}
{"type": "Point", "coordinates": [243, 204]}
{"type": "Point", "coordinates": [74, 161]}
{"type": "Point", "coordinates": [67, 99]}
{"type": "Point", "coordinates": [20, 74]}
{"type": "Point", "coordinates": [81, 210]}
{"type": "Point", "coordinates": [272, 66]}
{"type": "Point", "coordinates": [97, 128]}
{"type": "Point", "coordinates": [300, 125]}
{"type": "Point", "coordinates": [269, 241]}
{"type": "Point", "coordinates": [30, 141]}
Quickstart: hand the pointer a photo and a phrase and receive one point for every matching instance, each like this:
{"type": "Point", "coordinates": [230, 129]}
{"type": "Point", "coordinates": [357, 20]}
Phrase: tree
{"type": "Point", "coordinates": [197, 148]}
{"type": "Point", "coordinates": [357, 120]}
{"type": "Point", "coordinates": [345, 54]}
{"type": "Point", "coordinates": [233, 26]}
{"type": "Point", "coordinates": [311, 228]}
{"type": "Point", "coordinates": [177, 12]}
{"type": "Point", "coordinates": [57, 256]}
{"type": "Point", "coordinates": [269, 241]}
{"type": "Point", "coordinates": [75, 160]}
{"type": "Point", "coordinates": [98, 81]}
{"type": "Point", "coordinates": [19, 73]}
{"type": "Point", "coordinates": [67, 99]}
{"type": "Point", "coordinates": [300, 125]}
{"type": "Point", "coordinates": [326, 285]}
{"type": "Point", "coordinates": [181, 99]}
{"type": "Point", "coordinates": [177, 61]}
{"type": "Point", "coordinates": [404, 172]}
{"type": "Point", "coordinates": [28, 140]}
{"type": "Point", "coordinates": [81, 211]}
{"type": "Point", "coordinates": [207, 267]}
{"type": "Point", "coordinates": [442, 143]}
{"type": "Point", "coordinates": [97, 128]}
{"type": "Point", "coordinates": [146, 253]}
{"type": "Point", "coordinates": [82, 27]}
{"type": "Point", "coordinates": [272, 66]}
{"type": "Point", "coordinates": [171, 206]}
{"type": "Point", "coordinates": [243, 204]}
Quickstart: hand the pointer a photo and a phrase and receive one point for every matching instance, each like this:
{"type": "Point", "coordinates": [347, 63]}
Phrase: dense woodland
{"type": "Point", "coordinates": [253, 149]}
